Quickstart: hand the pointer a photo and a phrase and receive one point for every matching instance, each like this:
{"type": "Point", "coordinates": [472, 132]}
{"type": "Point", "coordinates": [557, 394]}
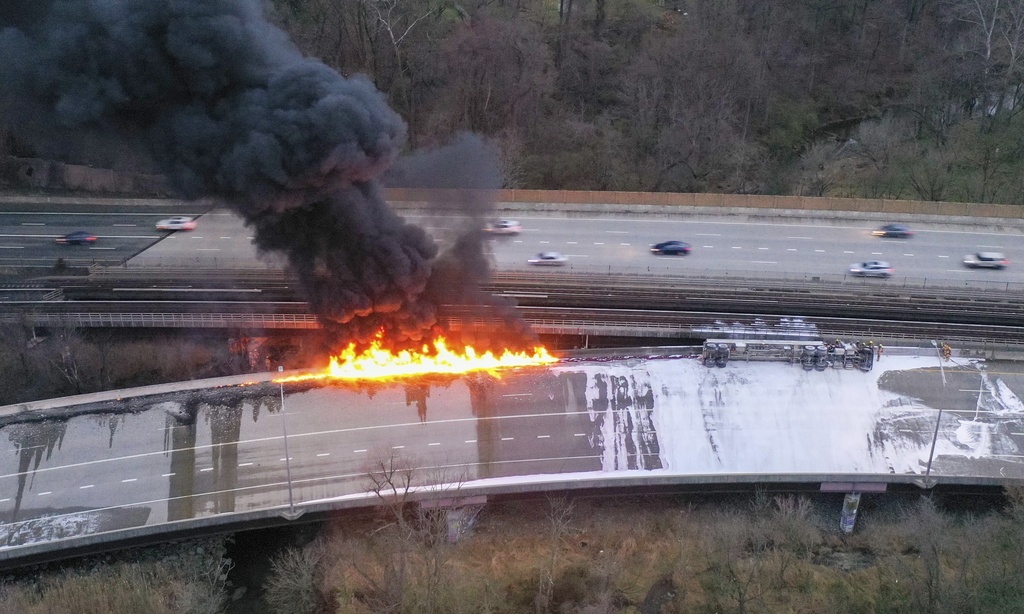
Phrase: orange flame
{"type": "Point", "coordinates": [379, 363]}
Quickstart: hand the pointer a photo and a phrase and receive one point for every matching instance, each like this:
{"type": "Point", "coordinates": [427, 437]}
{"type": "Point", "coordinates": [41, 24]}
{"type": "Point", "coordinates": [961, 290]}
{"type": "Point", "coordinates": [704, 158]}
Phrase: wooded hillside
{"type": "Point", "coordinates": [877, 98]}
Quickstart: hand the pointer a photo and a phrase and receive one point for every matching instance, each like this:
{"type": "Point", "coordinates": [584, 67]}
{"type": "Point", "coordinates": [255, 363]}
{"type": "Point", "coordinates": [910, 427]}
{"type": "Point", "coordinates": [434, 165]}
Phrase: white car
{"type": "Point", "coordinates": [179, 222]}
{"type": "Point", "coordinates": [548, 259]}
{"type": "Point", "coordinates": [986, 260]}
{"type": "Point", "coordinates": [871, 268]}
{"type": "Point", "coordinates": [505, 227]}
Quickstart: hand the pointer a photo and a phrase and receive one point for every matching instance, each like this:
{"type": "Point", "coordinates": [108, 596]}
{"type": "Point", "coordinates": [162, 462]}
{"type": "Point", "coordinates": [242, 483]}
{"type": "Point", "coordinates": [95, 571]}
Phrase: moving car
{"type": "Point", "coordinates": [871, 268]}
{"type": "Point", "coordinates": [179, 222]}
{"type": "Point", "coordinates": [505, 227]}
{"type": "Point", "coordinates": [671, 248]}
{"type": "Point", "coordinates": [79, 237]}
{"type": "Point", "coordinates": [895, 231]}
{"type": "Point", "coordinates": [986, 260]}
{"type": "Point", "coordinates": [548, 259]}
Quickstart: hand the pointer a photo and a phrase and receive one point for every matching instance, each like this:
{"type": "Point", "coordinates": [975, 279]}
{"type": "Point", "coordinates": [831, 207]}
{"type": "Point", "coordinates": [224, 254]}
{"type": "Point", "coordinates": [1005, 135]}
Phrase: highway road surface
{"type": "Point", "coordinates": [221, 451]}
{"type": "Point", "coordinates": [723, 245]}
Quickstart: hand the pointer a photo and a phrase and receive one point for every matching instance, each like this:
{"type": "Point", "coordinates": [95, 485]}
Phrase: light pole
{"type": "Point", "coordinates": [938, 421]}
{"type": "Point", "coordinates": [287, 457]}
{"type": "Point", "coordinates": [942, 369]}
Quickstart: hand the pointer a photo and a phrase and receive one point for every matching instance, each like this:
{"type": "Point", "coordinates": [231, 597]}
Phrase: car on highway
{"type": "Point", "coordinates": [548, 259]}
{"type": "Point", "coordinates": [893, 231]}
{"type": "Point", "coordinates": [79, 237]}
{"type": "Point", "coordinates": [179, 222]}
{"type": "Point", "coordinates": [671, 248]}
{"type": "Point", "coordinates": [504, 227]}
{"type": "Point", "coordinates": [986, 260]}
{"type": "Point", "coordinates": [871, 268]}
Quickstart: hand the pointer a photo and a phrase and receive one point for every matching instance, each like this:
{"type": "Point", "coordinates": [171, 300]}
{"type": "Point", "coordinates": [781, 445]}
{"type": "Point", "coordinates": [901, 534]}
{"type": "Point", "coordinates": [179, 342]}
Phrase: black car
{"type": "Point", "coordinates": [895, 231]}
{"type": "Point", "coordinates": [671, 248]}
{"type": "Point", "coordinates": [79, 237]}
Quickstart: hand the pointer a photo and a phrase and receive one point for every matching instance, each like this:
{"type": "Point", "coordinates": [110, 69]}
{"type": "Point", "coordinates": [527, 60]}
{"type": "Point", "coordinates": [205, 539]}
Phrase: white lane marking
{"type": "Point", "coordinates": [943, 256]}
{"type": "Point", "coordinates": [763, 262]}
{"type": "Point", "coordinates": [507, 438]}
{"type": "Point", "coordinates": [793, 249]}
{"type": "Point", "coordinates": [102, 248]}
{"type": "Point", "coordinates": [804, 238]}
{"type": "Point", "coordinates": [1012, 433]}
{"type": "Point", "coordinates": [322, 454]}
{"type": "Point", "coordinates": [517, 241]}
{"type": "Point", "coordinates": [225, 237]}
{"type": "Point", "coordinates": [992, 246]}
{"type": "Point", "coordinates": [579, 435]}
{"type": "Point", "coordinates": [244, 464]}
{"type": "Point", "coordinates": [598, 243]}
{"type": "Point", "coordinates": [397, 447]}
{"type": "Point", "coordinates": [736, 247]}
{"type": "Point", "coordinates": [908, 254]}
{"type": "Point", "coordinates": [33, 224]}
{"type": "Point", "coordinates": [358, 451]}
{"type": "Point", "coordinates": [545, 242]}
{"type": "Point", "coordinates": [543, 436]}
{"type": "Point", "coordinates": [4, 500]}
{"type": "Point", "coordinates": [625, 244]}
{"type": "Point", "coordinates": [86, 486]}
{"type": "Point", "coordinates": [46, 492]}
{"type": "Point", "coordinates": [167, 475]}
{"type": "Point", "coordinates": [617, 232]}
{"type": "Point", "coordinates": [282, 459]}
{"type": "Point", "coordinates": [763, 249]}
{"type": "Point", "coordinates": [12, 247]}
{"type": "Point", "coordinates": [819, 251]}
{"type": "Point", "coordinates": [519, 394]}
{"type": "Point", "coordinates": [125, 225]}
{"type": "Point", "coordinates": [434, 444]}
{"type": "Point", "coordinates": [707, 234]}
{"type": "Point", "coordinates": [957, 271]}
{"type": "Point", "coordinates": [129, 480]}
{"type": "Point", "coordinates": [207, 249]}
{"type": "Point", "coordinates": [572, 243]}
{"type": "Point", "coordinates": [847, 252]}
{"type": "Point", "coordinates": [205, 469]}
{"type": "Point", "coordinates": [355, 429]}
{"type": "Point", "coordinates": [707, 246]}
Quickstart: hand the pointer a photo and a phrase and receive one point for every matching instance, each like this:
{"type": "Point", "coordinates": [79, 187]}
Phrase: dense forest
{"type": "Point", "coordinates": [911, 99]}
{"type": "Point", "coordinates": [915, 99]}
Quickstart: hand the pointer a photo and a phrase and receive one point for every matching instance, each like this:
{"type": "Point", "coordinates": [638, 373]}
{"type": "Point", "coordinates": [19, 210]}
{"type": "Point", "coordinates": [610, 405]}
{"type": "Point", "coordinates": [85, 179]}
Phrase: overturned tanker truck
{"type": "Point", "coordinates": [813, 356]}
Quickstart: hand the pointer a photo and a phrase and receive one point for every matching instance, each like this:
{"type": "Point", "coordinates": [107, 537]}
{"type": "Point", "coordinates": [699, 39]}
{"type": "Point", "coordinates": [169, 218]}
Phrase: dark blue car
{"type": "Point", "coordinates": [79, 237]}
{"type": "Point", "coordinates": [671, 248]}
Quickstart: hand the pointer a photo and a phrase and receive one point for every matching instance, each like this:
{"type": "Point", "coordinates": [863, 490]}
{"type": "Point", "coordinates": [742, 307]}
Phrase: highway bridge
{"type": "Point", "coordinates": [226, 453]}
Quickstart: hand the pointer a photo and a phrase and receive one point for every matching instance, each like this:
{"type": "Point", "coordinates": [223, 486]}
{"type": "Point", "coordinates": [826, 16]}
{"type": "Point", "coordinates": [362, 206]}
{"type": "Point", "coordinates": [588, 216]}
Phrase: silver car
{"type": "Point", "coordinates": [871, 268]}
{"type": "Point", "coordinates": [505, 227]}
{"type": "Point", "coordinates": [986, 260]}
{"type": "Point", "coordinates": [548, 259]}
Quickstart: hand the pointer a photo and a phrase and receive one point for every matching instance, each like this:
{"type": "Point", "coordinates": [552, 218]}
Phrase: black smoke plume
{"type": "Point", "coordinates": [229, 108]}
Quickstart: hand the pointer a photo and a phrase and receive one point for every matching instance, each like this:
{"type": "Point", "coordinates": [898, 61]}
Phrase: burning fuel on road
{"type": "Point", "coordinates": [380, 363]}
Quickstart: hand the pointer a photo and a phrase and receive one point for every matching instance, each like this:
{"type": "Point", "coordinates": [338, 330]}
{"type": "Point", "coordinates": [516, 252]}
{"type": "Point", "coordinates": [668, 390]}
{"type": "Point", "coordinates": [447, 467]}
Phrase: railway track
{"type": "Point", "coordinates": [553, 301]}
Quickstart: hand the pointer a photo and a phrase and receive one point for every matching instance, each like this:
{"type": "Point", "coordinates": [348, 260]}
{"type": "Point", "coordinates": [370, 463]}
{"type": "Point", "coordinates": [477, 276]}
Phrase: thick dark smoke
{"type": "Point", "coordinates": [471, 166]}
{"type": "Point", "coordinates": [229, 108]}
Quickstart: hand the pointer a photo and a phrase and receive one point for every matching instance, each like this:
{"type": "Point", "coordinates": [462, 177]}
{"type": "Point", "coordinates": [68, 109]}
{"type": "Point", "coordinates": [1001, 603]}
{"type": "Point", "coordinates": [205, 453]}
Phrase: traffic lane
{"type": "Point", "coordinates": [789, 253]}
{"type": "Point", "coordinates": [31, 237]}
{"type": "Point", "coordinates": [719, 246]}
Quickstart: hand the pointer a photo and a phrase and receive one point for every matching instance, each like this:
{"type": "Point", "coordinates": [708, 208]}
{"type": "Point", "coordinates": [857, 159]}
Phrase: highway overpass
{"type": "Point", "coordinates": [121, 464]}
